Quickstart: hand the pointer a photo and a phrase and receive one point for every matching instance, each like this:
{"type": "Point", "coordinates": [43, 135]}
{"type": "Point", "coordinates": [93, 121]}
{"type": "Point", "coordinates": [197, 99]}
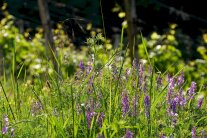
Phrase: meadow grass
{"type": "Point", "coordinates": [114, 100]}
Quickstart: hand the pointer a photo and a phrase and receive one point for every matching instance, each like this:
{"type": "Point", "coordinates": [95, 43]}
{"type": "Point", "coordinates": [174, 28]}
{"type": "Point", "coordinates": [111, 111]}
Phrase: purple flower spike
{"type": "Point", "coordinates": [170, 89]}
{"type": "Point", "coordinates": [135, 103]}
{"type": "Point", "coordinates": [173, 106]}
{"type": "Point", "coordinates": [127, 74]}
{"type": "Point", "coordinates": [192, 89]}
{"type": "Point", "coordinates": [203, 134]}
{"type": "Point", "coordinates": [81, 66]}
{"type": "Point", "coordinates": [100, 135]}
{"type": "Point", "coordinates": [100, 119]}
{"type": "Point", "coordinates": [194, 132]}
{"type": "Point", "coordinates": [125, 104]}
{"type": "Point", "coordinates": [163, 136]}
{"type": "Point", "coordinates": [180, 80]}
{"type": "Point", "coordinates": [200, 102]}
{"type": "Point", "coordinates": [4, 130]}
{"type": "Point", "coordinates": [128, 134]}
{"type": "Point", "coordinates": [6, 124]}
{"type": "Point", "coordinates": [159, 81]}
{"type": "Point", "coordinates": [135, 63]}
{"type": "Point", "coordinates": [147, 106]}
{"type": "Point", "coordinates": [182, 100]}
{"type": "Point", "coordinates": [141, 74]}
{"type": "Point", "coordinates": [89, 117]}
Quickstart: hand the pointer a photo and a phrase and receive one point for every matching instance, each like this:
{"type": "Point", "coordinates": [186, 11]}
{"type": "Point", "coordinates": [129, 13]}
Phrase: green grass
{"type": "Point", "coordinates": [75, 106]}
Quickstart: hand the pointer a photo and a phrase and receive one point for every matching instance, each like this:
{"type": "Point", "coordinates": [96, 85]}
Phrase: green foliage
{"type": "Point", "coordinates": [14, 44]}
{"type": "Point", "coordinates": [92, 102]}
{"type": "Point", "coordinates": [173, 51]}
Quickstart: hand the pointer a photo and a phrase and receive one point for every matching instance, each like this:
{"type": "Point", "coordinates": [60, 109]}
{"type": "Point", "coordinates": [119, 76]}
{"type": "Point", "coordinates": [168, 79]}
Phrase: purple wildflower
{"type": "Point", "coordinates": [141, 74]}
{"type": "Point", "coordinates": [135, 64]}
{"type": "Point", "coordinates": [36, 107]}
{"type": "Point", "coordinates": [174, 121]}
{"type": "Point", "coordinates": [172, 83]}
{"type": "Point", "coordinates": [114, 70]}
{"type": "Point", "coordinates": [163, 136]}
{"type": "Point", "coordinates": [170, 89]}
{"type": "Point", "coordinates": [6, 124]}
{"type": "Point", "coordinates": [125, 104]}
{"type": "Point", "coordinates": [168, 77]}
{"type": "Point", "coordinates": [89, 68]}
{"type": "Point", "coordinates": [100, 135]}
{"type": "Point", "coordinates": [81, 65]}
{"type": "Point", "coordinates": [159, 81]}
{"type": "Point", "coordinates": [100, 119]}
{"type": "Point", "coordinates": [147, 106]}
{"type": "Point", "coordinates": [135, 103]}
{"type": "Point", "coordinates": [145, 87]}
{"type": "Point", "coordinates": [203, 134]}
{"type": "Point", "coordinates": [180, 80]}
{"type": "Point", "coordinates": [192, 89]}
{"type": "Point", "coordinates": [173, 105]}
{"type": "Point", "coordinates": [5, 130]}
{"type": "Point", "coordinates": [90, 84]}
{"type": "Point", "coordinates": [128, 134]}
{"type": "Point", "coordinates": [182, 100]}
{"type": "Point", "coordinates": [200, 102]}
{"type": "Point", "coordinates": [194, 132]}
{"type": "Point", "coordinates": [89, 117]}
{"type": "Point", "coordinates": [150, 69]}
{"type": "Point", "coordinates": [127, 73]}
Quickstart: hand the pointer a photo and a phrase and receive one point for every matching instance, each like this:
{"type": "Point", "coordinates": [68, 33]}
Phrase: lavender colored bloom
{"type": "Point", "coordinates": [135, 63]}
{"type": "Point", "coordinates": [192, 89]}
{"type": "Point", "coordinates": [173, 106]}
{"type": "Point", "coordinates": [89, 117]}
{"type": "Point", "coordinates": [141, 74]}
{"type": "Point", "coordinates": [4, 130]}
{"type": "Point", "coordinates": [89, 68]}
{"type": "Point", "coordinates": [90, 84]}
{"type": "Point", "coordinates": [81, 65]}
{"type": "Point", "coordinates": [200, 102]}
{"type": "Point", "coordinates": [127, 73]}
{"type": "Point", "coordinates": [194, 132]}
{"type": "Point", "coordinates": [174, 121]}
{"type": "Point", "coordinates": [125, 104]}
{"type": "Point", "coordinates": [100, 119]}
{"type": "Point", "coordinates": [6, 124]}
{"type": "Point", "coordinates": [128, 134]}
{"type": "Point", "coordinates": [145, 87]}
{"type": "Point", "coordinates": [203, 134]}
{"type": "Point", "coordinates": [147, 106]}
{"type": "Point", "coordinates": [135, 103]}
{"type": "Point", "coordinates": [171, 83]}
{"type": "Point", "coordinates": [168, 77]}
{"type": "Point", "coordinates": [170, 90]}
{"type": "Point", "coordinates": [114, 70]}
{"type": "Point", "coordinates": [180, 80]}
{"type": "Point", "coordinates": [182, 100]}
{"type": "Point", "coordinates": [100, 135]}
{"type": "Point", "coordinates": [150, 69]}
{"type": "Point", "coordinates": [36, 107]}
{"type": "Point", "coordinates": [159, 81]}
{"type": "Point", "coordinates": [163, 136]}
{"type": "Point", "coordinates": [6, 120]}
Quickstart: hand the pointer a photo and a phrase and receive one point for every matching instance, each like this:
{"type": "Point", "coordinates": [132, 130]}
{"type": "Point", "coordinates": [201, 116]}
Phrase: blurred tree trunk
{"type": "Point", "coordinates": [131, 16]}
{"type": "Point", "coordinates": [45, 19]}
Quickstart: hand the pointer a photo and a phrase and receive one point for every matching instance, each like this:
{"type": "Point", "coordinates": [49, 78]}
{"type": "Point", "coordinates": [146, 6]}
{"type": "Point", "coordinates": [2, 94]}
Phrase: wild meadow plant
{"type": "Point", "coordinates": [105, 100]}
